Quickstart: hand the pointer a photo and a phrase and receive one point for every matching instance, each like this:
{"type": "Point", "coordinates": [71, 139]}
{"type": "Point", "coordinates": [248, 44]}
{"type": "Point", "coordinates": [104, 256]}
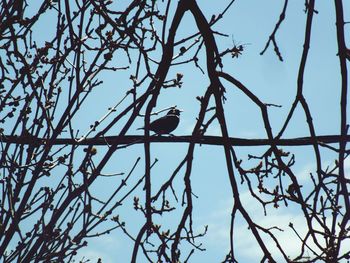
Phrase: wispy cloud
{"type": "Point", "coordinates": [244, 241]}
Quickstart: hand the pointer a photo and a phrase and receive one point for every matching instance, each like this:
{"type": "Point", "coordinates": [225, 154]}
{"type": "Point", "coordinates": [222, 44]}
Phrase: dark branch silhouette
{"type": "Point", "coordinates": [53, 74]}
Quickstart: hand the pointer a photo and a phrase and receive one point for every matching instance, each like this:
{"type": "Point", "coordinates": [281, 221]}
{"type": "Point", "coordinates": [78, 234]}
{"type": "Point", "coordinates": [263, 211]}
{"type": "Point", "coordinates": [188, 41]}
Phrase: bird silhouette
{"type": "Point", "coordinates": [165, 124]}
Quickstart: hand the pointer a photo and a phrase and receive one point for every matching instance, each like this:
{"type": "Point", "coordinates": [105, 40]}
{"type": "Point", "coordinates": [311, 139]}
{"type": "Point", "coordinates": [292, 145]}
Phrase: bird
{"type": "Point", "coordinates": [165, 124]}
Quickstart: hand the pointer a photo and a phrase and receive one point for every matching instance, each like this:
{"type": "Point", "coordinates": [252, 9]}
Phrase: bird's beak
{"type": "Point", "coordinates": [181, 110]}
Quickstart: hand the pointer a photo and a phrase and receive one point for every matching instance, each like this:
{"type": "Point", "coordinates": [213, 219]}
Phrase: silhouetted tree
{"type": "Point", "coordinates": [50, 206]}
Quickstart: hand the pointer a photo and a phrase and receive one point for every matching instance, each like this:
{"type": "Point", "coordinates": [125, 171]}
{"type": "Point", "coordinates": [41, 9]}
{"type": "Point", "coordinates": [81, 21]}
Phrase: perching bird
{"type": "Point", "coordinates": [166, 124]}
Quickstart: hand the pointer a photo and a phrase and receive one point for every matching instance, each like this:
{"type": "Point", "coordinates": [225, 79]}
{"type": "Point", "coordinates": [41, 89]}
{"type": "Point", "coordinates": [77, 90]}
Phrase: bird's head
{"type": "Point", "coordinates": [174, 111]}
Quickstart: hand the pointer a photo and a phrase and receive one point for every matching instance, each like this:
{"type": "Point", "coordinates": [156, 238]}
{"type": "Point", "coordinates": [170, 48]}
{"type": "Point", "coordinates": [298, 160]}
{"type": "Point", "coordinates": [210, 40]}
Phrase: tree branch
{"type": "Point", "coordinates": [129, 140]}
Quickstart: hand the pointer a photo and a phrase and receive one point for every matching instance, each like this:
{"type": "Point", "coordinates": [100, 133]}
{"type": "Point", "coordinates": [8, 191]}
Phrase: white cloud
{"type": "Point", "coordinates": [244, 242]}
{"type": "Point", "coordinates": [303, 175]}
{"type": "Point", "coordinates": [347, 167]}
{"type": "Point", "coordinates": [218, 222]}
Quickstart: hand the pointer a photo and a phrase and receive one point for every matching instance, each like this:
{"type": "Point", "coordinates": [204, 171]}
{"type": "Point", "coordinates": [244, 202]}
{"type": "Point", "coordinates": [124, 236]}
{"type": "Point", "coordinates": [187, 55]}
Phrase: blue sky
{"type": "Point", "coordinates": [273, 81]}
{"type": "Point", "coordinates": [248, 22]}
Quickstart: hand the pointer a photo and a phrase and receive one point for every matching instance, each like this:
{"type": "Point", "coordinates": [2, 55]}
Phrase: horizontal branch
{"type": "Point", "coordinates": [138, 139]}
